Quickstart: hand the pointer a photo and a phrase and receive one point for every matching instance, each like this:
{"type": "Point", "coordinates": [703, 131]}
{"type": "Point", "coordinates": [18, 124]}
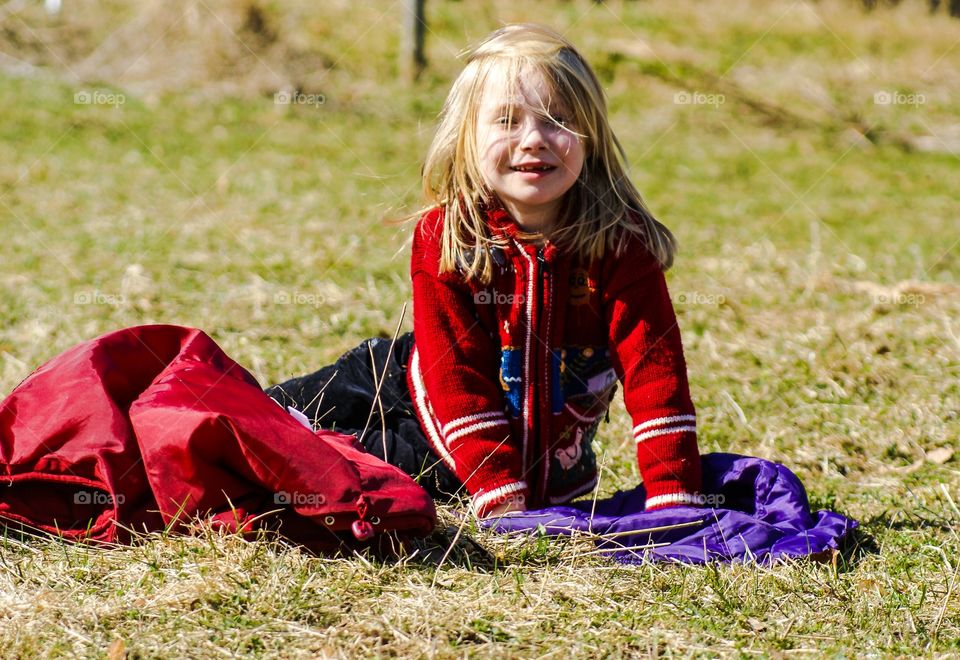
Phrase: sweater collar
{"type": "Point", "coordinates": [502, 224]}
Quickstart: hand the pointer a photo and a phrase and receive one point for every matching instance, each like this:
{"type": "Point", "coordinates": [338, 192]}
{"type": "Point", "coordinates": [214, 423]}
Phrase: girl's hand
{"type": "Point", "coordinates": [510, 506]}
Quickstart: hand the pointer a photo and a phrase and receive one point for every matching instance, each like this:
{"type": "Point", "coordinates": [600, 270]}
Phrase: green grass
{"type": "Point", "coordinates": [817, 291]}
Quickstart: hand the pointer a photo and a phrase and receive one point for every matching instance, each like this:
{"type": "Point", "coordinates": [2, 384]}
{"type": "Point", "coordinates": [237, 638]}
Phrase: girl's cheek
{"type": "Point", "coordinates": [563, 135]}
{"type": "Point", "coordinates": [565, 142]}
{"type": "Point", "coordinates": [506, 145]}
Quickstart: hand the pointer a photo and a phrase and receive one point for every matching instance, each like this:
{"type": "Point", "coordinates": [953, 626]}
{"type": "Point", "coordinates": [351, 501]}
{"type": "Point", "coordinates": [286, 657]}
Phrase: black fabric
{"type": "Point", "coordinates": [341, 397]}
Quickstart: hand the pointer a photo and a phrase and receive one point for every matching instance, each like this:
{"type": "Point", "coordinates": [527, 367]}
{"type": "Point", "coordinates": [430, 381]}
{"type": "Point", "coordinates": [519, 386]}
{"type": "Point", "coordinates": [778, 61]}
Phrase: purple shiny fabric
{"type": "Point", "coordinates": [753, 510]}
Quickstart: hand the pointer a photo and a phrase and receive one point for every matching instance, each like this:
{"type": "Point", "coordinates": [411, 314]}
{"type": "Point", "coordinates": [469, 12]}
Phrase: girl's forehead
{"type": "Point", "coordinates": [529, 88]}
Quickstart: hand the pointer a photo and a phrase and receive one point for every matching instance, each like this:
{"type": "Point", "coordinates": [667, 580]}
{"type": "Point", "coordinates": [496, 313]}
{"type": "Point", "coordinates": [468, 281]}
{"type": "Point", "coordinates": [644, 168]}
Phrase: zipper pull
{"type": "Point", "coordinates": [543, 265]}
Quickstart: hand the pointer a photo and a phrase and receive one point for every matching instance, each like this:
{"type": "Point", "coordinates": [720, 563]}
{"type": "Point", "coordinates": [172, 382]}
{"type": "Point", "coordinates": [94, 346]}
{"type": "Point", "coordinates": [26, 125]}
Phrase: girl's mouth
{"type": "Point", "coordinates": [539, 169]}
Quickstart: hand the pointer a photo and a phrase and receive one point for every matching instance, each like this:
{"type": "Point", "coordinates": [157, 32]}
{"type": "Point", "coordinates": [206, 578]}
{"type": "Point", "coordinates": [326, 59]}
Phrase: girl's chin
{"type": "Point", "coordinates": [536, 204]}
{"type": "Point", "coordinates": [536, 194]}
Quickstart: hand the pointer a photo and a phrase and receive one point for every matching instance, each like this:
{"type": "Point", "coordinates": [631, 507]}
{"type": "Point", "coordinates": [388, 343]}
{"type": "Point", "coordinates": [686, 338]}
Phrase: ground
{"type": "Point", "coordinates": [805, 154]}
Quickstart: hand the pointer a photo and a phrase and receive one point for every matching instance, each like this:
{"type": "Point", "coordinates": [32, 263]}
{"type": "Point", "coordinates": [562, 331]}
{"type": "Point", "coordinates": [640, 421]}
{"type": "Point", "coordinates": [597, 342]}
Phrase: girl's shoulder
{"type": "Point", "coordinates": [631, 249]}
{"type": "Point", "coordinates": [497, 220]}
{"type": "Point", "coordinates": [430, 224]}
{"type": "Point", "coordinates": [629, 262]}
{"type": "Point", "coordinates": [425, 255]}
{"type": "Point", "coordinates": [427, 235]}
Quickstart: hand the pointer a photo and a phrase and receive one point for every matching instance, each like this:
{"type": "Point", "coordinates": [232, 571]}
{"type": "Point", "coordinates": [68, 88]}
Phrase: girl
{"type": "Point", "coordinates": [537, 285]}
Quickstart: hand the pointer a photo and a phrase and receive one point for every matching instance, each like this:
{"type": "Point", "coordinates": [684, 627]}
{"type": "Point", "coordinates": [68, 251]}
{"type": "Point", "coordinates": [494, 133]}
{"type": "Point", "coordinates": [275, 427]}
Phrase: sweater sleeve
{"type": "Point", "coordinates": [455, 383]}
{"type": "Point", "coordinates": [648, 356]}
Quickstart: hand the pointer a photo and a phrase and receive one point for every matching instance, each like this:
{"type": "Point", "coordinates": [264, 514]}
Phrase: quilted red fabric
{"type": "Point", "coordinates": [152, 427]}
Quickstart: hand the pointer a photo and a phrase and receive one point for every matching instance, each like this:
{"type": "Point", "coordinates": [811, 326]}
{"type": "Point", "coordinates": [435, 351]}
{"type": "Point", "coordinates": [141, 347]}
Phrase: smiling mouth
{"type": "Point", "coordinates": [533, 168]}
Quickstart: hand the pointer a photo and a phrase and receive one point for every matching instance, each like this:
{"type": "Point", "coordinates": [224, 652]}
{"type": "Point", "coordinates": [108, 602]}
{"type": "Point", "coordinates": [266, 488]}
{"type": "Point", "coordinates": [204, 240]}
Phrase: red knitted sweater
{"type": "Point", "coordinates": [511, 379]}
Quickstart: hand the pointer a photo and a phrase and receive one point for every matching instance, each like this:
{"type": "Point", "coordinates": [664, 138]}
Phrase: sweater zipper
{"type": "Point", "coordinates": [542, 378]}
{"type": "Point", "coordinates": [530, 442]}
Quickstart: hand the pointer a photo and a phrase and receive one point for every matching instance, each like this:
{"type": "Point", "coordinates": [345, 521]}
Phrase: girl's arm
{"type": "Point", "coordinates": [648, 357]}
{"type": "Point", "coordinates": [455, 383]}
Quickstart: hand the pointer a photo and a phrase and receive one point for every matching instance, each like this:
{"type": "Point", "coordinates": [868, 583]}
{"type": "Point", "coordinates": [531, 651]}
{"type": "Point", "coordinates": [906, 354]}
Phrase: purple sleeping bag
{"type": "Point", "coordinates": [753, 510]}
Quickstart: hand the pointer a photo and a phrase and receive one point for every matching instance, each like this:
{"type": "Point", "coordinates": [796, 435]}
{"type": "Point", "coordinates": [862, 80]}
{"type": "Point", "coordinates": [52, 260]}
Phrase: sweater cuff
{"type": "Point", "coordinates": [669, 461]}
{"type": "Point", "coordinates": [485, 500]}
{"type": "Point", "coordinates": [668, 500]}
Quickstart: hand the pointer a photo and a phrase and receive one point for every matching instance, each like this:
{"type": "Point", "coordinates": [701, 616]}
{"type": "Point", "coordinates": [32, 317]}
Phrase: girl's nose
{"type": "Point", "coordinates": [532, 138]}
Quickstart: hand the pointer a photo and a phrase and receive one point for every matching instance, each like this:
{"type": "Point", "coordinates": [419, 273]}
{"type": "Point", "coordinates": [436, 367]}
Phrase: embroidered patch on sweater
{"type": "Point", "coordinates": [573, 466]}
{"type": "Point", "coordinates": [511, 378]}
{"type": "Point", "coordinates": [581, 373]}
{"type": "Point", "coordinates": [585, 372]}
{"type": "Point", "coordinates": [581, 287]}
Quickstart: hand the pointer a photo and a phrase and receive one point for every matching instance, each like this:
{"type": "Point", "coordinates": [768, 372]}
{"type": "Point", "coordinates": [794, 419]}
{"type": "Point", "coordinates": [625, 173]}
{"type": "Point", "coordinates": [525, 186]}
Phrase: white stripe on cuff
{"type": "Point", "coordinates": [664, 431]}
{"type": "Point", "coordinates": [482, 499]}
{"type": "Point", "coordinates": [471, 418]}
{"type": "Point", "coordinates": [660, 421]}
{"type": "Point", "coordinates": [467, 430]}
{"type": "Point", "coordinates": [672, 498]}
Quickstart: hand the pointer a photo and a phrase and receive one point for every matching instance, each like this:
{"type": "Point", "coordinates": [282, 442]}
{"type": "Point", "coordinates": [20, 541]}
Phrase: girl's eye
{"type": "Point", "coordinates": [506, 121]}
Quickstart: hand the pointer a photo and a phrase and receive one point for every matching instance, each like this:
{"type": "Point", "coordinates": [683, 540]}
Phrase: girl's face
{"type": "Point", "coordinates": [528, 159]}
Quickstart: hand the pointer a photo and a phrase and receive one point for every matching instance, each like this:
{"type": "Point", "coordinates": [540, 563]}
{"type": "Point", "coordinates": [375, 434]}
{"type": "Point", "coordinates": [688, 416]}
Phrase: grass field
{"type": "Point", "coordinates": [805, 154]}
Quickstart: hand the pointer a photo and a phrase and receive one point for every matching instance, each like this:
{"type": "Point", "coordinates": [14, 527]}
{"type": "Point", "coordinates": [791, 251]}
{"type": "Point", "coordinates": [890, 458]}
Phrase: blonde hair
{"type": "Point", "coordinates": [599, 212]}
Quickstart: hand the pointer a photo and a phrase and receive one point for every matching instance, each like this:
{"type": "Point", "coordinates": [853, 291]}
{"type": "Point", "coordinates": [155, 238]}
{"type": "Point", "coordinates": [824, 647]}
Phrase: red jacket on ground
{"type": "Point", "coordinates": [152, 427]}
{"type": "Point", "coordinates": [511, 380]}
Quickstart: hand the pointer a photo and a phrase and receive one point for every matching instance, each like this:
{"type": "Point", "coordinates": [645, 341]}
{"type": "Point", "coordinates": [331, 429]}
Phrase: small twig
{"type": "Point", "coordinates": [379, 383]}
{"type": "Point", "coordinates": [318, 398]}
{"type": "Point", "coordinates": [462, 488]}
{"type": "Point", "coordinates": [649, 530]}
{"type": "Point", "coordinates": [625, 548]}
{"type": "Point", "coordinates": [378, 400]}
{"type": "Point", "coordinates": [953, 505]}
{"type": "Point", "coordinates": [736, 408]}
{"type": "Point", "coordinates": [946, 599]}
{"type": "Point", "coordinates": [75, 634]}
{"type": "Point", "coordinates": [596, 490]}
{"type": "Point", "coordinates": [616, 535]}
{"type": "Point", "coordinates": [456, 537]}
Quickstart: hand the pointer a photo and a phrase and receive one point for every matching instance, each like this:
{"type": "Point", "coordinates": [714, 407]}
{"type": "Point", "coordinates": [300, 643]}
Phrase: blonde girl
{"type": "Point", "coordinates": [538, 287]}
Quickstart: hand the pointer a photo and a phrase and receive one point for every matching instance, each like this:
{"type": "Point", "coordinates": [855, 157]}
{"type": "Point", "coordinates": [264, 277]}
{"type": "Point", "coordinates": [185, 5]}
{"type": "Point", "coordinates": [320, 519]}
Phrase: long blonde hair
{"type": "Point", "coordinates": [599, 212]}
